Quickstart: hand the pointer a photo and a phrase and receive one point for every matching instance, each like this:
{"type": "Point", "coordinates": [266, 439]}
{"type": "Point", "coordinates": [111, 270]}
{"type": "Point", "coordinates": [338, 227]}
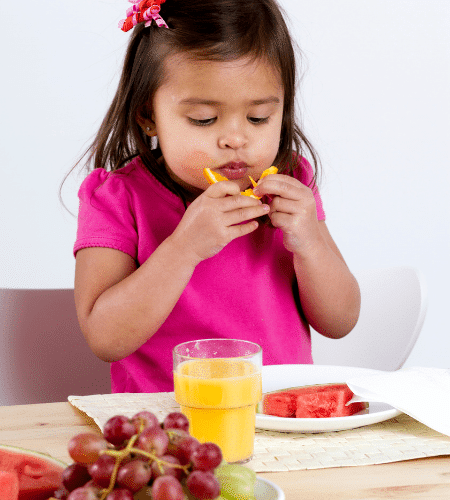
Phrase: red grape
{"type": "Point", "coordinates": [118, 429]}
{"type": "Point", "coordinates": [159, 469]}
{"type": "Point", "coordinates": [85, 448]}
{"type": "Point", "coordinates": [134, 475]}
{"type": "Point", "coordinates": [101, 470]}
{"type": "Point", "coordinates": [203, 485]}
{"type": "Point", "coordinates": [146, 418]}
{"type": "Point", "coordinates": [206, 456]}
{"type": "Point", "coordinates": [167, 488]}
{"type": "Point", "coordinates": [61, 493]}
{"type": "Point", "coordinates": [84, 493]}
{"type": "Point", "coordinates": [74, 476]}
{"type": "Point", "coordinates": [181, 445]}
{"type": "Point", "coordinates": [172, 452]}
{"type": "Point", "coordinates": [176, 435]}
{"type": "Point", "coordinates": [153, 440]}
{"type": "Point", "coordinates": [121, 494]}
{"type": "Point", "coordinates": [176, 420]}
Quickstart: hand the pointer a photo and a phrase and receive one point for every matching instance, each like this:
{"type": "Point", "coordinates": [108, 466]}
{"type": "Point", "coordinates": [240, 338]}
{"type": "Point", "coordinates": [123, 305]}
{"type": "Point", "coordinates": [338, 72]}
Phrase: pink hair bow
{"type": "Point", "coordinates": [143, 11]}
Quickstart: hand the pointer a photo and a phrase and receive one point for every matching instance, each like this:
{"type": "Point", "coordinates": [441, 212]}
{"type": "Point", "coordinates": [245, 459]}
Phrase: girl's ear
{"type": "Point", "coordinates": [147, 125]}
{"type": "Point", "coordinates": [145, 122]}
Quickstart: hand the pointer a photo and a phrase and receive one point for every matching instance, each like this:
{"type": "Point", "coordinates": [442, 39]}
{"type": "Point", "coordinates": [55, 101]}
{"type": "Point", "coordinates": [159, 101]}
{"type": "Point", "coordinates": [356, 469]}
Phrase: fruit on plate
{"type": "Point", "coordinates": [28, 475]}
{"type": "Point", "coordinates": [237, 482]}
{"type": "Point", "coordinates": [140, 459]}
{"type": "Point", "coordinates": [213, 177]}
{"type": "Point", "coordinates": [313, 401]}
{"type": "Point", "coordinates": [9, 485]}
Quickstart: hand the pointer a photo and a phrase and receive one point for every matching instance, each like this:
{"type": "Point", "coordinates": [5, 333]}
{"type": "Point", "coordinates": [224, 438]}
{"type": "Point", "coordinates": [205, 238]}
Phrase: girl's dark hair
{"type": "Point", "coordinates": [219, 30]}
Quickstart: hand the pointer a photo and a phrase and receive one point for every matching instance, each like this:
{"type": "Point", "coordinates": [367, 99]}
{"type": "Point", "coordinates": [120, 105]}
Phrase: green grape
{"type": "Point", "coordinates": [236, 482]}
{"type": "Point", "coordinates": [225, 469]}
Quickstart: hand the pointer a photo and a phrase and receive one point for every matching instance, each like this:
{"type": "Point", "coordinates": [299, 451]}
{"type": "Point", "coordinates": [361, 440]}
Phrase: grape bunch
{"type": "Point", "coordinates": [139, 456]}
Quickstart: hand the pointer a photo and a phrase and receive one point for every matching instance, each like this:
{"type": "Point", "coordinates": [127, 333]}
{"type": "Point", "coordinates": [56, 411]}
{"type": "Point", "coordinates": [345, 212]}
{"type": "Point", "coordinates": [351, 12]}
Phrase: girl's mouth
{"type": "Point", "coordinates": [234, 170]}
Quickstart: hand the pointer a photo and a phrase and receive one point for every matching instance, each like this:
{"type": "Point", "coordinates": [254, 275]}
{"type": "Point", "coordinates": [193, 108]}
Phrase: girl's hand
{"type": "Point", "coordinates": [293, 210]}
{"type": "Point", "coordinates": [215, 218]}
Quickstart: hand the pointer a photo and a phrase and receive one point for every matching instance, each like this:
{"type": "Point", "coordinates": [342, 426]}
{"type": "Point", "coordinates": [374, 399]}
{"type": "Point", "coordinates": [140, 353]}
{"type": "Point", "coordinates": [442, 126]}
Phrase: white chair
{"type": "Point", "coordinates": [43, 354]}
{"type": "Point", "coordinates": [393, 308]}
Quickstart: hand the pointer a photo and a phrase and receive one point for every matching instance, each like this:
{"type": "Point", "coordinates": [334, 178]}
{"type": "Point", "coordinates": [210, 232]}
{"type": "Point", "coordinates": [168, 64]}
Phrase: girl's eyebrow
{"type": "Point", "coordinates": [268, 100]}
{"type": "Point", "coordinates": [208, 102]}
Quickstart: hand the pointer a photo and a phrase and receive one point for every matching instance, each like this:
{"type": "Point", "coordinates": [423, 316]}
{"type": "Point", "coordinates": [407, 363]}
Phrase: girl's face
{"type": "Point", "coordinates": [222, 115]}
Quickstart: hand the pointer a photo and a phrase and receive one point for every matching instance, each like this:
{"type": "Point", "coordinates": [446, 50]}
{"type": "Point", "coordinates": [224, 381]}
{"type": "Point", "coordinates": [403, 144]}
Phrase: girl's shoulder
{"type": "Point", "coordinates": [113, 182]}
{"type": "Point", "coordinates": [130, 185]}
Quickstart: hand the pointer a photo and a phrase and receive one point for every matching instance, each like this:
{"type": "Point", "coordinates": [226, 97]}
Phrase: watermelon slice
{"type": "Point", "coordinates": [37, 475]}
{"type": "Point", "coordinates": [313, 401]}
{"type": "Point", "coordinates": [9, 486]}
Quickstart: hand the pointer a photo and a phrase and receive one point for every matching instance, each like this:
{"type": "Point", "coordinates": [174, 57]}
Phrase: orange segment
{"type": "Point", "coordinates": [213, 177]}
{"type": "Point", "coordinates": [254, 184]}
{"type": "Point", "coordinates": [249, 192]}
{"type": "Point", "coordinates": [269, 171]}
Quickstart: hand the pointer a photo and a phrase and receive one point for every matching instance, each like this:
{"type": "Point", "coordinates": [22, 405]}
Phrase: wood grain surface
{"type": "Point", "coordinates": [48, 427]}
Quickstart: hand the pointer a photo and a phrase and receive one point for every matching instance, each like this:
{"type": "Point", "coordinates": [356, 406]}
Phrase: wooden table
{"type": "Point", "coordinates": [48, 428]}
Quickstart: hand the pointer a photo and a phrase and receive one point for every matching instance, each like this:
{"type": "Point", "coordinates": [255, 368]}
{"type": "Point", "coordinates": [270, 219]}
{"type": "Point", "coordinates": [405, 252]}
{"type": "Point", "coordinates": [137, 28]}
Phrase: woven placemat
{"type": "Point", "coordinates": [400, 438]}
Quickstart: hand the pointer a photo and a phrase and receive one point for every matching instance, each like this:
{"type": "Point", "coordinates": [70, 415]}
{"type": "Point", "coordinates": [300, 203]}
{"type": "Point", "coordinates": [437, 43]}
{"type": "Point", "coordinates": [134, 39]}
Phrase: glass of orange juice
{"type": "Point", "coordinates": [218, 385]}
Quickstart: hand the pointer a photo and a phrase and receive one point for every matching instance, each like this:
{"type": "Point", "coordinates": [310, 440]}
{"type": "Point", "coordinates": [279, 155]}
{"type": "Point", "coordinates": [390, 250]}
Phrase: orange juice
{"type": "Point", "coordinates": [219, 398]}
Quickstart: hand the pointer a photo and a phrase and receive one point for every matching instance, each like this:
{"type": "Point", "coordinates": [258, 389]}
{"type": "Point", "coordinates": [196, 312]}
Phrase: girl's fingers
{"type": "Point", "coordinates": [292, 206]}
{"type": "Point", "coordinates": [243, 229]}
{"type": "Point", "coordinates": [288, 195]}
{"type": "Point", "coordinates": [237, 202]}
{"type": "Point", "coordinates": [280, 185]}
{"type": "Point", "coordinates": [245, 214]}
{"type": "Point", "coordinates": [229, 198]}
{"type": "Point", "coordinates": [280, 219]}
{"type": "Point", "coordinates": [222, 189]}
{"type": "Point", "coordinates": [228, 202]}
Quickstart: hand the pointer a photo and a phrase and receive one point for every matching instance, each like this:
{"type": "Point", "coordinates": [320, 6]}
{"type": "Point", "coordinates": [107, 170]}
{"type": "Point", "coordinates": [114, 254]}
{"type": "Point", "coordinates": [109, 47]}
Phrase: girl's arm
{"type": "Point", "coordinates": [120, 306]}
{"type": "Point", "coordinates": [329, 293]}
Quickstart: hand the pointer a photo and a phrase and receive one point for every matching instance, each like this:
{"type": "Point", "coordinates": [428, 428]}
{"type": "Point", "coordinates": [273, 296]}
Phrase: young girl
{"type": "Point", "coordinates": [161, 256]}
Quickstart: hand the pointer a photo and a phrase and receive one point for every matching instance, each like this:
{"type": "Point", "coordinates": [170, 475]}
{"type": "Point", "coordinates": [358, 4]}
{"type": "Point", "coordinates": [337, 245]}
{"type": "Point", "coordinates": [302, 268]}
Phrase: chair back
{"type": "Point", "coordinates": [43, 355]}
{"type": "Point", "coordinates": [393, 308]}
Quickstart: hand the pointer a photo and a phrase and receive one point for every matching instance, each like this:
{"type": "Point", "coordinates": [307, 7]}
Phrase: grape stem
{"type": "Point", "coordinates": [120, 455]}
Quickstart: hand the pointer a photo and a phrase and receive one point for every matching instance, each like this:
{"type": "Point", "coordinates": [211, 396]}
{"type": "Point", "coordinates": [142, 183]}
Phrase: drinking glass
{"type": "Point", "coordinates": [218, 385]}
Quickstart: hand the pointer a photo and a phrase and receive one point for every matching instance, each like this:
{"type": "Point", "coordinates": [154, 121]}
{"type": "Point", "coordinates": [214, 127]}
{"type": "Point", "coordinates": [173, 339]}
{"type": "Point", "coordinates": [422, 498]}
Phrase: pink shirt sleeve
{"type": "Point", "coordinates": [304, 173]}
{"type": "Point", "coordinates": [105, 216]}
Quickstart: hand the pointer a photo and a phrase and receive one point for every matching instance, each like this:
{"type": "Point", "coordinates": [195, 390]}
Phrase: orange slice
{"type": "Point", "coordinates": [269, 171]}
{"type": "Point", "coordinates": [249, 192]}
{"type": "Point", "coordinates": [213, 177]}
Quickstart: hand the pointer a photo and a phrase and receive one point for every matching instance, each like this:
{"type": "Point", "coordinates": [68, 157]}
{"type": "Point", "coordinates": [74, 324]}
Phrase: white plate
{"type": "Point", "coordinates": [266, 490]}
{"type": "Point", "coordinates": [276, 377]}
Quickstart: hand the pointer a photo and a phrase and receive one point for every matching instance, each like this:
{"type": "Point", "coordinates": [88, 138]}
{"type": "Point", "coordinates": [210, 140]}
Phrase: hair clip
{"type": "Point", "coordinates": [143, 11]}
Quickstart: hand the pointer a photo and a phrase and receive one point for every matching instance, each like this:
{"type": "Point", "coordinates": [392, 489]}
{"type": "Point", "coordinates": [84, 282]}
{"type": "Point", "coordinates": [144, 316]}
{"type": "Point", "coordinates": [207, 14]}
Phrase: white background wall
{"type": "Point", "coordinates": [376, 104]}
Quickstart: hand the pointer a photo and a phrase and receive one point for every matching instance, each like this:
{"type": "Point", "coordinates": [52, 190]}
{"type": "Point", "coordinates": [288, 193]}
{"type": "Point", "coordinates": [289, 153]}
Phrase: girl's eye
{"type": "Point", "coordinates": [258, 121]}
{"type": "Point", "coordinates": [202, 123]}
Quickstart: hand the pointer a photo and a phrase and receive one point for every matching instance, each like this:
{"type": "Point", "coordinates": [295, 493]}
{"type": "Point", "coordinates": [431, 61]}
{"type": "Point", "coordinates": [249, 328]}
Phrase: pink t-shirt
{"type": "Point", "coordinates": [247, 291]}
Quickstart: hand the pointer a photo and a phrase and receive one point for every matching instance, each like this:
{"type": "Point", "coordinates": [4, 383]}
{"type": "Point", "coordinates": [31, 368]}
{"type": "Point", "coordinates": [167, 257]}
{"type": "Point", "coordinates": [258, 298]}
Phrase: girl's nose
{"type": "Point", "coordinates": [232, 140]}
